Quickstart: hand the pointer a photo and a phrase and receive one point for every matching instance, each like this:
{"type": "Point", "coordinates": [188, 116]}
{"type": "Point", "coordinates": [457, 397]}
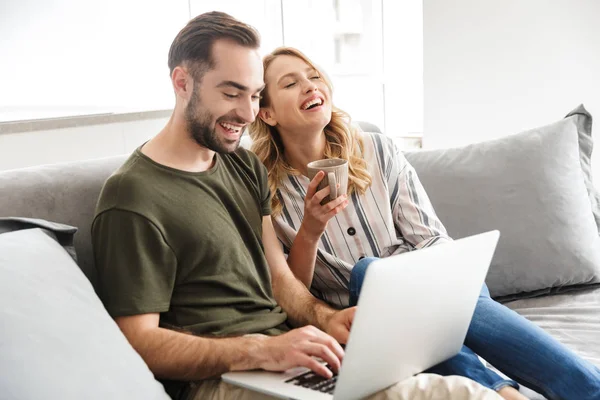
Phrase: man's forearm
{"type": "Point", "coordinates": [180, 356]}
{"type": "Point", "coordinates": [291, 294]}
{"type": "Point", "coordinates": [300, 305]}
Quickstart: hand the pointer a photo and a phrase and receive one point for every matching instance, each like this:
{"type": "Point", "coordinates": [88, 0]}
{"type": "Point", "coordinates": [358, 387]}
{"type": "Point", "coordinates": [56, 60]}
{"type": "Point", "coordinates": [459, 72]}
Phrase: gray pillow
{"type": "Point", "coordinates": [57, 341]}
{"type": "Point", "coordinates": [583, 121]}
{"type": "Point", "coordinates": [532, 187]}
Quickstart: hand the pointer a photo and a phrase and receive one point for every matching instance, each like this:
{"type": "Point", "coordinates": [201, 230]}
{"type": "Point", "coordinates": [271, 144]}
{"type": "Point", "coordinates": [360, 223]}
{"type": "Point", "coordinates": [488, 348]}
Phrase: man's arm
{"type": "Point", "coordinates": [293, 296]}
{"type": "Point", "coordinates": [180, 356]}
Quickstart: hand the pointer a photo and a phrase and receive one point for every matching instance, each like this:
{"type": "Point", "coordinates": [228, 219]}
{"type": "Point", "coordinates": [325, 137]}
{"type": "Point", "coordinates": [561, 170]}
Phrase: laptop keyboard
{"type": "Point", "coordinates": [313, 381]}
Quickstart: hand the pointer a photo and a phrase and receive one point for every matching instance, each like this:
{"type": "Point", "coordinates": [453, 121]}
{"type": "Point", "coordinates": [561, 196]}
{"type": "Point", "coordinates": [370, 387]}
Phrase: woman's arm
{"type": "Point", "coordinates": [303, 255]}
{"type": "Point", "coordinates": [303, 252]}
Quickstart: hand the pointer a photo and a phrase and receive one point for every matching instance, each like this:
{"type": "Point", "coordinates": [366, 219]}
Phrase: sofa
{"type": "Point", "coordinates": [57, 341]}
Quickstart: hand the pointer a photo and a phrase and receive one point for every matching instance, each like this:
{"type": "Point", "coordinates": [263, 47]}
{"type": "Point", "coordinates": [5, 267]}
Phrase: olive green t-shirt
{"type": "Point", "coordinates": [187, 245]}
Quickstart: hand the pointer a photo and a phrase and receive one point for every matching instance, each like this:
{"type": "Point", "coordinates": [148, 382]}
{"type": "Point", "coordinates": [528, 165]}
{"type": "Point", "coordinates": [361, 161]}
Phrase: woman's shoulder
{"type": "Point", "coordinates": [379, 142]}
{"type": "Point", "coordinates": [383, 149]}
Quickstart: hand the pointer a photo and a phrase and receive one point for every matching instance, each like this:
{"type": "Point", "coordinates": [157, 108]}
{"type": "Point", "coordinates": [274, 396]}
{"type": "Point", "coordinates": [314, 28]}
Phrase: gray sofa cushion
{"type": "Point", "coordinates": [66, 193]}
{"type": "Point", "coordinates": [531, 187]}
{"type": "Point", "coordinates": [57, 340]}
{"type": "Point", "coordinates": [572, 318]}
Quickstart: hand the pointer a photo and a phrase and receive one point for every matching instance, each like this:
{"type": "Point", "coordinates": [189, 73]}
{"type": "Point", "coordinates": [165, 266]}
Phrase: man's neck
{"type": "Point", "coordinates": [174, 147]}
{"type": "Point", "coordinates": [301, 149]}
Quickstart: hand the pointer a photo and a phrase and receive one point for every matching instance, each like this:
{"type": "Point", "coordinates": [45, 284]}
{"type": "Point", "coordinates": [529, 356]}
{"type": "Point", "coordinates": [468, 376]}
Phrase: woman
{"type": "Point", "coordinates": [386, 212]}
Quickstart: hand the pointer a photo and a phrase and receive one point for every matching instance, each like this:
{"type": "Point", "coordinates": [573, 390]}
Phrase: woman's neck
{"type": "Point", "coordinates": [301, 149]}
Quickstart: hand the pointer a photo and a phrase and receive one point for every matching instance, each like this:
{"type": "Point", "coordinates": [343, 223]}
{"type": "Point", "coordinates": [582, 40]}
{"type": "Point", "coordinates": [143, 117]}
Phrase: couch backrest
{"type": "Point", "coordinates": [67, 193]}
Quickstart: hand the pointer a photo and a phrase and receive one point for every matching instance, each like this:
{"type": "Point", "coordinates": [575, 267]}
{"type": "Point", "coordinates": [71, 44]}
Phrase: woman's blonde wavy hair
{"type": "Point", "coordinates": [342, 140]}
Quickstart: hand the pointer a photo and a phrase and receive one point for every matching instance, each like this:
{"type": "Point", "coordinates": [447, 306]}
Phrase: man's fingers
{"type": "Point", "coordinates": [315, 366]}
{"type": "Point", "coordinates": [312, 186]}
{"type": "Point", "coordinates": [337, 349]}
{"type": "Point", "coordinates": [323, 352]}
{"type": "Point", "coordinates": [349, 314]}
{"type": "Point", "coordinates": [322, 338]}
{"type": "Point", "coordinates": [343, 324]}
{"type": "Point", "coordinates": [329, 341]}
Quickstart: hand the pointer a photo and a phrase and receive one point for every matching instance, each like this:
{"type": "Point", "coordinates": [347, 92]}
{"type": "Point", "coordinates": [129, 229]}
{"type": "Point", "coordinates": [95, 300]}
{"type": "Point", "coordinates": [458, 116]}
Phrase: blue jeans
{"type": "Point", "coordinates": [514, 345]}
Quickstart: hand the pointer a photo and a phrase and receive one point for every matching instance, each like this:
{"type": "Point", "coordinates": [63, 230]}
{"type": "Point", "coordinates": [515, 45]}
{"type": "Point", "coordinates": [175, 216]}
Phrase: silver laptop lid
{"type": "Point", "coordinates": [426, 299]}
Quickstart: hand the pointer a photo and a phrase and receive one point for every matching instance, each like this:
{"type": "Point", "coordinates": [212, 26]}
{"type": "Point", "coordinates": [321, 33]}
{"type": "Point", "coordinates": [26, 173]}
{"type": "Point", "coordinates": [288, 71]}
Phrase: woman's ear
{"type": "Point", "coordinates": [267, 116]}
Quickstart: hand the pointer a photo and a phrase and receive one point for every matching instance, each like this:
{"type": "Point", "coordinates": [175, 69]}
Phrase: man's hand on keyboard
{"type": "Point", "coordinates": [298, 348]}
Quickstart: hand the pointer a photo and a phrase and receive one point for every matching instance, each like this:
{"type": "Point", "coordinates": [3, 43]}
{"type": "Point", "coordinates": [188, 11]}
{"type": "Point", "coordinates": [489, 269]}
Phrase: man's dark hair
{"type": "Point", "coordinates": [192, 46]}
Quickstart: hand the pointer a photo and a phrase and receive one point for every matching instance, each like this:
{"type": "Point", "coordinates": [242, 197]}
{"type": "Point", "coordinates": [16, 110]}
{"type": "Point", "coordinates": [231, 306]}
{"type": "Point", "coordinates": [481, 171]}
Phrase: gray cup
{"type": "Point", "coordinates": [336, 172]}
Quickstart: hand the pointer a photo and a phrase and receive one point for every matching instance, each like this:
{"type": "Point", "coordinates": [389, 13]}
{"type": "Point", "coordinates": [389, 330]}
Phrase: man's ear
{"type": "Point", "coordinates": [267, 116]}
{"type": "Point", "coordinates": [183, 84]}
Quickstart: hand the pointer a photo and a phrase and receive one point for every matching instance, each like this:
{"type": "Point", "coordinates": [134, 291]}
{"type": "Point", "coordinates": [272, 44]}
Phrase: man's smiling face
{"type": "Point", "coordinates": [227, 97]}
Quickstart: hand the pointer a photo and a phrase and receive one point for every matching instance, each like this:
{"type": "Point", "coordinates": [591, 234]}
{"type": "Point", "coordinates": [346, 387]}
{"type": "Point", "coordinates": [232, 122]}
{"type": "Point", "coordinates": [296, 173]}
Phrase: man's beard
{"type": "Point", "coordinates": [199, 124]}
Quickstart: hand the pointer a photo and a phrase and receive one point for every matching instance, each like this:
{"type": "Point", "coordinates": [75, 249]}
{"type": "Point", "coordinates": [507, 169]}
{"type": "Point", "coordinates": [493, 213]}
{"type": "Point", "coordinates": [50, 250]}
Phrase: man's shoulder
{"type": "Point", "coordinates": [246, 164]}
{"type": "Point", "coordinates": [247, 161]}
{"type": "Point", "coordinates": [128, 183]}
{"type": "Point", "coordinates": [246, 156]}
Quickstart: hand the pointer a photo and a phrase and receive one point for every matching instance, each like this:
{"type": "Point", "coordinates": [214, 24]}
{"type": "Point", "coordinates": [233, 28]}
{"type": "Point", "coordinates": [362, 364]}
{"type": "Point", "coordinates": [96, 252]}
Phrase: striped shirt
{"type": "Point", "coordinates": [393, 216]}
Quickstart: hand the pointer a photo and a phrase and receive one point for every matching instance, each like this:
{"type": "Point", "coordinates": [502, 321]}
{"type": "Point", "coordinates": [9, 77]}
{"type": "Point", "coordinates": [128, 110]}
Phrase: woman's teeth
{"type": "Point", "coordinates": [317, 102]}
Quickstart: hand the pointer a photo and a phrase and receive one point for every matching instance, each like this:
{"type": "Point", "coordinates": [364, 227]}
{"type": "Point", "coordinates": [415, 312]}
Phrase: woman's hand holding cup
{"type": "Point", "coordinates": [316, 215]}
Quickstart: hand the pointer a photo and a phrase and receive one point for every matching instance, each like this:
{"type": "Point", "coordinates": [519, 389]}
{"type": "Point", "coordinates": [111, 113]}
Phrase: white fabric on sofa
{"type": "Point", "coordinates": [57, 341]}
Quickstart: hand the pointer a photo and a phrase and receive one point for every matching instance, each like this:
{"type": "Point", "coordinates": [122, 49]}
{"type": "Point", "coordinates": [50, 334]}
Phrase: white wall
{"type": "Point", "coordinates": [264, 15]}
{"type": "Point", "coordinates": [403, 66]}
{"type": "Point", "coordinates": [497, 67]}
{"type": "Point", "coordinates": [26, 149]}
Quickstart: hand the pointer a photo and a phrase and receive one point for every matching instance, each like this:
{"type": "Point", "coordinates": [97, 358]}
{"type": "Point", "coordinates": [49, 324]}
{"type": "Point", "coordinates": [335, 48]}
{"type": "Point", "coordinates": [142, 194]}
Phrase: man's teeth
{"type": "Point", "coordinates": [312, 102]}
{"type": "Point", "coordinates": [231, 127]}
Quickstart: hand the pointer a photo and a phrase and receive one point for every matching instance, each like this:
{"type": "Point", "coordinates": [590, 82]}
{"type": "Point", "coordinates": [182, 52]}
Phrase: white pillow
{"type": "Point", "coordinates": [57, 341]}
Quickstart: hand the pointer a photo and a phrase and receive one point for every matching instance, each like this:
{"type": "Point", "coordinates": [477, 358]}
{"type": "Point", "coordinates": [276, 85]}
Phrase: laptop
{"type": "Point", "coordinates": [413, 312]}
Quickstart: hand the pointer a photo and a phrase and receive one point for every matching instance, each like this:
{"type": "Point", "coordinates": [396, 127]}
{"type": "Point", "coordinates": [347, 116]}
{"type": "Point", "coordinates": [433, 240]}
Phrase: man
{"type": "Point", "coordinates": [189, 264]}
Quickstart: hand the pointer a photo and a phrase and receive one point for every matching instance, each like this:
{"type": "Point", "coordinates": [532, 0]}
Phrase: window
{"type": "Point", "coordinates": [264, 15]}
{"type": "Point", "coordinates": [68, 57]}
{"type": "Point", "coordinates": [345, 39]}
{"type": "Point", "coordinates": [371, 50]}
{"type": "Point", "coordinates": [86, 59]}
